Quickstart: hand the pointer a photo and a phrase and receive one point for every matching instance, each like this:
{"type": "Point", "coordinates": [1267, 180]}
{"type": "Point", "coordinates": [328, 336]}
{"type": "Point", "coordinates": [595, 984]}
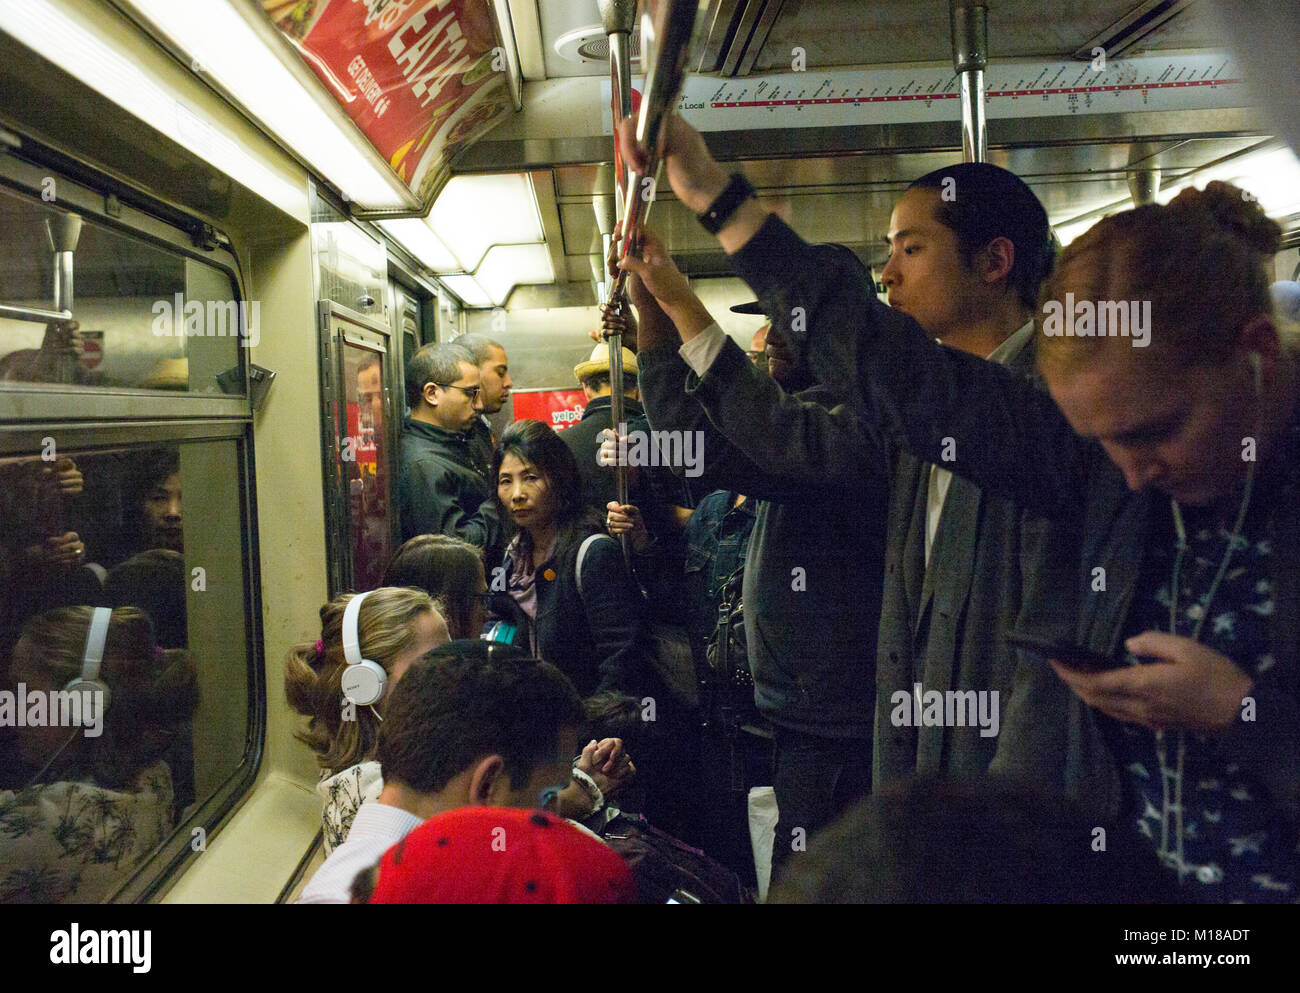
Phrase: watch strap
{"type": "Point", "coordinates": [737, 191]}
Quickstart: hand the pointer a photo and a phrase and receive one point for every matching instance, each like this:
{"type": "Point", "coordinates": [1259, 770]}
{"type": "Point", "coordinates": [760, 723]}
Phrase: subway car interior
{"type": "Point", "coordinates": [335, 192]}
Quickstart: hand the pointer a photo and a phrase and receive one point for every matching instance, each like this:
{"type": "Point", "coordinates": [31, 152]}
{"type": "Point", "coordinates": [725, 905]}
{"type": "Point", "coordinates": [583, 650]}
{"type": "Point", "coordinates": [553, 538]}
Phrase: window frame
{"type": "Point", "coordinates": [42, 401]}
{"type": "Point", "coordinates": [89, 418]}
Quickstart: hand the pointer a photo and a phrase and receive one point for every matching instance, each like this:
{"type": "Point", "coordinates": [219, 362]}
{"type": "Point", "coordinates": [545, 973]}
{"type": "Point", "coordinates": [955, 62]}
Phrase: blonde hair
{"type": "Point", "coordinates": [153, 692]}
{"type": "Point", "coordinates": [1202, 260]}
{"type": "Point", "coordinates": [314, 683]}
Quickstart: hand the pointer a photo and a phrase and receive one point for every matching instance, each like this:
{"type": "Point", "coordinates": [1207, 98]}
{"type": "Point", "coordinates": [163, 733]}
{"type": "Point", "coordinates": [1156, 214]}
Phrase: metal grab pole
{"type": "Point", "coordinates": [669, 28]}
{"type": "Point", "coordinates": [970, 39]}
{"type": "Point", "coordinates": [619, 17]}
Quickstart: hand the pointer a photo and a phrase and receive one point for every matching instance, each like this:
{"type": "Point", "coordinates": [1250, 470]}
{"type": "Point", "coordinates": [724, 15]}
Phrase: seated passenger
{"type": "Point", "coordinates": [394, 628]}
{"type": "Point", "coordinates": [486, 855]}
{"type": "Point", "coordinates": [592, 635]}
{"type": "Point", "coordinates": [471, 724]}
{"type": "Point", "coordinates": [450, 571]}
{"type": "Point", "coordinates": [102, 800]}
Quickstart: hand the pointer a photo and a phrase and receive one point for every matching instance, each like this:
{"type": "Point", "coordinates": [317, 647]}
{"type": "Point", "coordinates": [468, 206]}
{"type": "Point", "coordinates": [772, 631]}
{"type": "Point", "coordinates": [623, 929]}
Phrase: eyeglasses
{"type": "Point", "coordinates": [470, 391]}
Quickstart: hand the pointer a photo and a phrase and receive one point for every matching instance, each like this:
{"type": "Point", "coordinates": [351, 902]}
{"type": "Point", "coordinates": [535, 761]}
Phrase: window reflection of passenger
{"type": "Point", "coordinates": [101, 804]}
{"type": "Point", "coordinates": [45, 563]}
{"type": "Point", "coordinates": [156, 508]}
{"type": "Point", "coordinates": [154, 581]}
{"type": "Point", "coordinates": [366, 483]}
{"type": "Point", "coordinates": [370, 395]}
{"type": "Point", "coordinates": [58, 360]}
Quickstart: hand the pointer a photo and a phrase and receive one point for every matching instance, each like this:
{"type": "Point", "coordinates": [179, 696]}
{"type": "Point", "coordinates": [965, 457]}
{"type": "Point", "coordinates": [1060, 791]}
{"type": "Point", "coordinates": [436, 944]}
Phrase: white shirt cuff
{"type": "Point", "coordinates": [700, 351]}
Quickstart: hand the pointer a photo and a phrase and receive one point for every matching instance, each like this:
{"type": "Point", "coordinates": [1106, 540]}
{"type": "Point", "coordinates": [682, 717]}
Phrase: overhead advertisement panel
{"type": "Point", "coordinates": [421, 78]}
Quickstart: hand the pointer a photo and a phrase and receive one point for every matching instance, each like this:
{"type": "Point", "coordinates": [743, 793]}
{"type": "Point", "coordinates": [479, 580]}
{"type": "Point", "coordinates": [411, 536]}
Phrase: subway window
{"type": "Point", "coordinates": [142, 317]}
{"type": "Point", "coordinates": [130, 715]}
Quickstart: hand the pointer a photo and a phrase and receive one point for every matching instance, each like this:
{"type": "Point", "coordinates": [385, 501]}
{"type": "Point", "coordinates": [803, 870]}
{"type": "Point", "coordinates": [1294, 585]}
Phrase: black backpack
{"type": "Point", "coordinates": [666, 870]}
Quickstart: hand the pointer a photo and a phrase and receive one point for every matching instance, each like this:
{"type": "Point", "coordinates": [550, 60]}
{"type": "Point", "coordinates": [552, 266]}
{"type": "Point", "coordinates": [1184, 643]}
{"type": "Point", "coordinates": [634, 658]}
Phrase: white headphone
{"type": "Point", "coordinates": [363, 680]}
{"type": "Point", "coordinates": [89, 681]}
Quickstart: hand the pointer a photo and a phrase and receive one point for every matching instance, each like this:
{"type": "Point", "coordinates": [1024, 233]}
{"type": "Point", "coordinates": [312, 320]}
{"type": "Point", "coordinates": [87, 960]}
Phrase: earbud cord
{"type": "Point", "coordinates": [57, 752]}
{"type": "Point", "coordinates": [1161, 751]}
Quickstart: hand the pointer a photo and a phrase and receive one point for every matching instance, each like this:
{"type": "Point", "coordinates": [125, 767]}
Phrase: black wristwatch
{"type": "Point", "coordinates": [737, 191]}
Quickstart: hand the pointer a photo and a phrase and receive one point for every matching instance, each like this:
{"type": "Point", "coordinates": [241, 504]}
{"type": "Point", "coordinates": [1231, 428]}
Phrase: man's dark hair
{"type": "Point", "coordinates": [983, 840]}
{"type": "Point", "coordinates": [153, 581]}
{"type": "Point", "coordinates": [433, 364]}
{"type": "Point", "coordinates": [988, 202]}
{"type": "Point", "coordinates": [598, 381]}
{"type": "Point", "coordinates": [469, 699]}
{"type": "Point", "coordinates": [479, 346]}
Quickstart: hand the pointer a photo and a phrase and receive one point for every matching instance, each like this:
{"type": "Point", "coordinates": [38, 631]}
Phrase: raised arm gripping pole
{"type": "Point", "coordinates": [666, 27]}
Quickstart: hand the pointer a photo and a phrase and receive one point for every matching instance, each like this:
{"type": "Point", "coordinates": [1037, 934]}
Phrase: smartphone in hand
{"type": "Point", "coordinates": [1071, 656]}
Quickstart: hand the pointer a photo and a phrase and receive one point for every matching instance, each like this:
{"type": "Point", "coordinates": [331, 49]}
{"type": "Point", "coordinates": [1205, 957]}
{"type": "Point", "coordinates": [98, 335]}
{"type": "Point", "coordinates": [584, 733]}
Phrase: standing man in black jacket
{"type": "Point", "coordinates": [441, 490]}
{"type": "Point", "coordinates": [812, 583]}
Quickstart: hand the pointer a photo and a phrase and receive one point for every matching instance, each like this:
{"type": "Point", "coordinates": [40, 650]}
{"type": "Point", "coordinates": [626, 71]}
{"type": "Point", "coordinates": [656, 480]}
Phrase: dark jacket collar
{"type": "Point", "coordinates": [601, 405]}
{"type": "Point", "coordinates": [436, 434]}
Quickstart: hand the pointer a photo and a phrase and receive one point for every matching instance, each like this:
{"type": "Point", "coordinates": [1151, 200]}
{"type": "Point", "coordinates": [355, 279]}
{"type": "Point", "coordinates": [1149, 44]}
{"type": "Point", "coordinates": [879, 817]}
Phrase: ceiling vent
{"type": "Point", "coordinates": [591, 44]}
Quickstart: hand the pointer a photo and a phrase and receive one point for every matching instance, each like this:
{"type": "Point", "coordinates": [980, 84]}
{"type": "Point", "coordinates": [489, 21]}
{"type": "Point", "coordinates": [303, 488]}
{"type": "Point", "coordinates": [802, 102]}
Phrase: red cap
{"type": "Point", "coordinates": [498, 855]}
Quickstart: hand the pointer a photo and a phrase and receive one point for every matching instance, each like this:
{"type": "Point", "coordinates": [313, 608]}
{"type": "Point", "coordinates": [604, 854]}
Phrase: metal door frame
{"type": "Point", "coordinates": [338, 324]}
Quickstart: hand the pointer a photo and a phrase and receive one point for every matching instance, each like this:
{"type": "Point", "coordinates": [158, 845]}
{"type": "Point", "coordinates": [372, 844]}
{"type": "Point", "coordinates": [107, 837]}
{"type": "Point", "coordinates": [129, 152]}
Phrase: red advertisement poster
{"type": "Point", "coordinates": [421, 78]}
{"type": "Point", "coordinates": [559, 408]}
{"type": "Point", "coordinates": [362, 434]}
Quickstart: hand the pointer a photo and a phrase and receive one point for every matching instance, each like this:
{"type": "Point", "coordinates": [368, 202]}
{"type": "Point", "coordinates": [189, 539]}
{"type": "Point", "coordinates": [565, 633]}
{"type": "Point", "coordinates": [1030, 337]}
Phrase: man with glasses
{"type": "Point", "coordinates": [441, 490]}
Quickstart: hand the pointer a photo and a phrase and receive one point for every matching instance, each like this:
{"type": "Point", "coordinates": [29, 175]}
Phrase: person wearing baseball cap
{"type": "Point", "coordinates": [497, 855]}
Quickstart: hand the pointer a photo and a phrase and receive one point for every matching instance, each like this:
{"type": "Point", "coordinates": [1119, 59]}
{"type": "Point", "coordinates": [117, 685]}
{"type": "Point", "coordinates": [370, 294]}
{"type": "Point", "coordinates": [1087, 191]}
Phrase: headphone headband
{"type": "Point", "coordinates": [363, 681]}
{"type": "Point", "coordinates": [95, 639]}
{"type": "Point", "coordinates": [351, 634]}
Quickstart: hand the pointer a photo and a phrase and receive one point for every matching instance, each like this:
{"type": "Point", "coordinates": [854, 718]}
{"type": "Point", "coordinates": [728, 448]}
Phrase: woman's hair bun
{"type": "Point", "coordinates": [1235, 211]}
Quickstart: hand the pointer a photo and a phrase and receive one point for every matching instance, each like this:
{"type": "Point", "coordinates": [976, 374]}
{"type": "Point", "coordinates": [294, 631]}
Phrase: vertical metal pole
{"type": "Point", "coordinates": [1143, 186]}
{"type": "Point", "coordinates": [63, 232]}
{"type": "Point", "coordinates": [970, 36]}
{"type": "Point", "coordinates": [618, 18]}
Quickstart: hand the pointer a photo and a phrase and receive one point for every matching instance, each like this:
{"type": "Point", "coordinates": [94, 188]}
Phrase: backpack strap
{"type": "Point", "coordinates": [582, 554]}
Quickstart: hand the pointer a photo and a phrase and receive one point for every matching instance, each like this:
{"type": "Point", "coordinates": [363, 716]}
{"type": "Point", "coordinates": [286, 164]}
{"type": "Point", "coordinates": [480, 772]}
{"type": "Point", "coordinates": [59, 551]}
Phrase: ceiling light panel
{"type": "Point", "coordinates": [223, 44]}
{"type": "Point", "coordinates": [473, 213]}
{"type": "Point", "coordinates": [50, 30]}
{"type": "Point", "coordinates": [507, 266]}
{"type": "Point", "coordinates": [415, 235]}
{"type": "Point", "coordinates": [468, 290]}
